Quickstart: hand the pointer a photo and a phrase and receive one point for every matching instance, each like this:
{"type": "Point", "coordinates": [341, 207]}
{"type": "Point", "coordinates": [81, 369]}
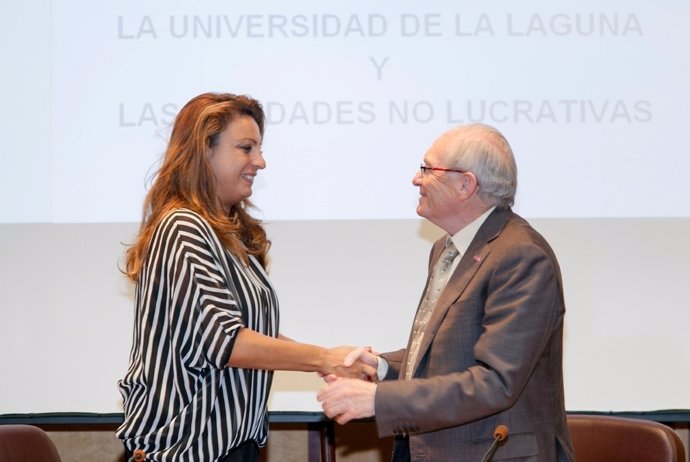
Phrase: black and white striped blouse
{"type": "Point", "coordinates": [181, 402]}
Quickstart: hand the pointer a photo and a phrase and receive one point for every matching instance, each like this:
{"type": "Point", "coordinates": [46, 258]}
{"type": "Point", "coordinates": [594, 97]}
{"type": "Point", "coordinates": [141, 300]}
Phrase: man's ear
{"type": "Point", "coordinates": [468, 184]}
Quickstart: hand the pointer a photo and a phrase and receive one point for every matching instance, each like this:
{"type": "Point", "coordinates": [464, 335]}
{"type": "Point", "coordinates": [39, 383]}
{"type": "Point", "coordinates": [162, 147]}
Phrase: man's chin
{"type": "Point", "coordinates": [420, 211]}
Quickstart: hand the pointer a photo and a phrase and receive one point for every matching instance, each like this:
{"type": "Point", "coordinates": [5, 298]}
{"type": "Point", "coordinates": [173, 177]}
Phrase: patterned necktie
{"type": "Point", "coordinates": [437, 282]}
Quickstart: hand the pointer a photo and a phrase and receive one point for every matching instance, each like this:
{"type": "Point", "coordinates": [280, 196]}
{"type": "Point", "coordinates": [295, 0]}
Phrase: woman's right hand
{"type": "Point", "coordinates": [353, 362]}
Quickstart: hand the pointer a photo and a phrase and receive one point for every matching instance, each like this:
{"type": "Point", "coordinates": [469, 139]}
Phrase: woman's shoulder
{"type": "Point", "coordinates": [184, 215]}
{"type": "Point", "coordinates": [182, 226]}
{"type": "Point", "coordinates": [185, 219]}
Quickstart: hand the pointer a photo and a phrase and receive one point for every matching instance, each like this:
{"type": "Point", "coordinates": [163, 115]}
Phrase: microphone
{"type": "Point", "coordinates": [138, 456]}
{"type": "Point", "coordinates": [500, 434]}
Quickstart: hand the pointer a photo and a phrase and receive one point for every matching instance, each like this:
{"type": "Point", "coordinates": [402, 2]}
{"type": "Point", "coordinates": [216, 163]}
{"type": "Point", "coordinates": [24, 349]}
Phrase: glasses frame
{"type": "Point", "coordinates": [424, 169]}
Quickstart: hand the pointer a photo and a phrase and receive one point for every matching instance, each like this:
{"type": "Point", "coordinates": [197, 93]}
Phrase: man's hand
{"type": "Point", "coordinates": [346, 399]}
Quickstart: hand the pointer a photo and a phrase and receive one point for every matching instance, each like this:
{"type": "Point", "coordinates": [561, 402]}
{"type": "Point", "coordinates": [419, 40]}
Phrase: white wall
{"type": "Point", "coordinates": [592, 96]}
{"type": "Point", "coordinates": [66, 311]}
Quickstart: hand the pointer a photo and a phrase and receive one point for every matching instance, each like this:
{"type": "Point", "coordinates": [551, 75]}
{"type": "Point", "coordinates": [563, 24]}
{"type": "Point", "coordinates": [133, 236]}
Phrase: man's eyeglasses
{"type": "Point", "coordinates": [426, 169]}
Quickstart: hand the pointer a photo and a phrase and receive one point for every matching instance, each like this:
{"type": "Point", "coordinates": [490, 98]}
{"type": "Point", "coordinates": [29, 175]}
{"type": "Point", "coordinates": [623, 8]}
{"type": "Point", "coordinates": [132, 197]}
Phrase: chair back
{"type": "Point", "coordinates": [599, 438]}
{"type": "Point", "coordinates": [21, 443]}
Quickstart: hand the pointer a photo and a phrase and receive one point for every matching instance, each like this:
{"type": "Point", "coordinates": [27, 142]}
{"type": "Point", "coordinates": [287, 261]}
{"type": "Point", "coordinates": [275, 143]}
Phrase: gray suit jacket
{"type": "Point", "coordinates": [492, 354]}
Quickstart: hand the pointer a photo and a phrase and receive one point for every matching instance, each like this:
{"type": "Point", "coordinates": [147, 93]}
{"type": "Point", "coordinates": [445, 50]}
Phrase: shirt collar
{"type": "Point", "coordinates": [463, 238]}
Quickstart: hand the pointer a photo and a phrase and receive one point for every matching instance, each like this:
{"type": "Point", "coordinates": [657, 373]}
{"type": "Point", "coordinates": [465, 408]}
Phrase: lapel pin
{"type": "Point", "coordinates": [476, 258]}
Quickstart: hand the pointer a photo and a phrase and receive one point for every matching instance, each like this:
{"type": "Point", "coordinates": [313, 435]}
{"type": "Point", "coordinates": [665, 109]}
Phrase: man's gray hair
{"type": "Point", "coordinates": [484, 151]}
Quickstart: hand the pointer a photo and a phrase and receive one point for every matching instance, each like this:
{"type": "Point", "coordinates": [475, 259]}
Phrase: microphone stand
{"type": "Point", "coordinates": [138, 456]}
{"type": "Point", "coordinates": [500, 434]}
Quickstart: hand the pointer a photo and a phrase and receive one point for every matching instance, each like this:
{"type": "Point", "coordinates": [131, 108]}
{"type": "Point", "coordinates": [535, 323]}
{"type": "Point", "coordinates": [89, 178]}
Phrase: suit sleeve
{"type": "Point", "coordinates": [522, 300]}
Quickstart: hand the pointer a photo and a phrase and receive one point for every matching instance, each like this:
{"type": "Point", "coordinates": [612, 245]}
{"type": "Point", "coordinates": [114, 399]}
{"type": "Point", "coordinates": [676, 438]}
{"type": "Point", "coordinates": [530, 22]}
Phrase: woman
{"type": "Point", "coordinates": [206, 316]}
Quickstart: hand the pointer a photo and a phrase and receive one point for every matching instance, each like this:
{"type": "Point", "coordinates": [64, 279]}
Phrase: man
{"type": "Point", "coordinates": [486, 345]}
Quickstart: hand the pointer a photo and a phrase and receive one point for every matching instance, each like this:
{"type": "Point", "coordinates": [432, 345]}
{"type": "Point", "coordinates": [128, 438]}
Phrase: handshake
{"type": "Point", "coordinates": [351, 362]}
{"type": "Point", "coordinates": [350, 388]}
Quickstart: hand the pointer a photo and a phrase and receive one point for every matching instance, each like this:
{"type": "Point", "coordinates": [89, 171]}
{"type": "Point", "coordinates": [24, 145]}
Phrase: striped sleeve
{"type": "Point", "coordinates": [204, 316]}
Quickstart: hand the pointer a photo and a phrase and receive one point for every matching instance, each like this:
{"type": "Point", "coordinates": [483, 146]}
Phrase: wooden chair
{"type": "Point", "coordinates": [21, 443]}
{"type": "Point", "coordinates": [599, 438]}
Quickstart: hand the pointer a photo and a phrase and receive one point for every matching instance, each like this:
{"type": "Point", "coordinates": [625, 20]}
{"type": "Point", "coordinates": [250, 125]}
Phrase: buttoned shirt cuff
{"type": "Point", "coordinates": [381, 367]}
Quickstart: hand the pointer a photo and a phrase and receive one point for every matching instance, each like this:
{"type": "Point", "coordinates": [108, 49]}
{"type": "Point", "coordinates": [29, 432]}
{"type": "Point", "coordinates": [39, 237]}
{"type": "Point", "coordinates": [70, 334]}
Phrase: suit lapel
{"type": "Point", "coordinates": [469, 264]}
